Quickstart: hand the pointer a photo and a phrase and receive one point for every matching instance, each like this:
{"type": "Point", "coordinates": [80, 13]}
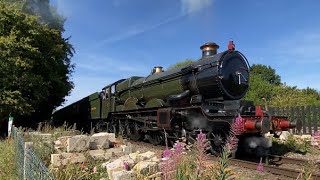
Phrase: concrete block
{"type": "Point", "coordinates": [78, 143]}
{"type": "Point", "coordinates": [97, 154]}
{"type": "Point", "coordinates": [145, 156]}
{"type": "Point", "coordinates": [306, 137]}
{"type": "Point", "coordinates": [99, 141]}
{"type": "Point", "coordinates": [110, 136]}
{"type": "Point", "coordinates": [117, 165]}
{"type": "Point", "coordinates": [126, 149]}
{"type": "Point", "coordinates": [63, 159]}
{"type": "Point", "coordinates": [146, 168]}
{"type": "Point", "coordinates": [45, 136]}
{"type": "Point", "coordinates": [122, 175]}
{"type": "Point", "coordinates": [284, 135]}
{"type": "Point", "coordinates": [114, 152]}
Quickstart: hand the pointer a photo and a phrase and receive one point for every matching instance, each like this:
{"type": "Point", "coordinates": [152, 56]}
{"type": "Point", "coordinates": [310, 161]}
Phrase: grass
{"type": "Point", "coordinates": [8, 169]}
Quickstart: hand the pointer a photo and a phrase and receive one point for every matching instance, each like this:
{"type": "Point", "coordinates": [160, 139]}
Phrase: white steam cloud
{"type": "Point", "coordinates": [193, 6]}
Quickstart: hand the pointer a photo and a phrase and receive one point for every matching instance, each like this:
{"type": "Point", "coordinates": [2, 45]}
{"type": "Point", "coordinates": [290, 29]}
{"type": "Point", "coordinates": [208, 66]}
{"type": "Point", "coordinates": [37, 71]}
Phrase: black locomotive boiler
{"type": "Point", "coordinates": [204, 95]}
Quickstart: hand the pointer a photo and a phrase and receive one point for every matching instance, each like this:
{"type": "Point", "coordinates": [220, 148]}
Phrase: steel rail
{"type": "Point", "coordinates": [287, 160]}
{"type": "Point", "coordinates": [271, 169]}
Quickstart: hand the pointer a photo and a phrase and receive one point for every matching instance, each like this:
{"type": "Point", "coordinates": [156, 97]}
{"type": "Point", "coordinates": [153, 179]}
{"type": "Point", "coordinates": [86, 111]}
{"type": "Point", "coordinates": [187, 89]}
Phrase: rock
{"type": "Point", "coordinates": [146, 168]}
{"type": "Point", "coordinates": [78, 143]}
{"type": "Point", "coordinates": [125, 149]}
{"type": "Point", "coordinates": [64, 140]}
{"type": "Point", "coordinates": [134, 155]}
{"type": "Point", "coordinates": [66, 133]}
{"type": "Point", "coordinates": [100, 141]}
{"type": "Point", "coordinates": [97, 154]}
{"type": "Point", "coordinates": [57, 143]}
{"type": "Point", "coordinates": [45, 136]}
{"type": "Point", "coordinates": [114, 152]}
{"type": "Point", "coordinates": [110, 136]}
{"type": "Point", "coordinates": [155, 176]}
{"type": "Point", "coordinates": [145, 156]}
{"type": "Point", "coordinates": [306, 137]}
{"type": "Point", "coordinates": [284, 135]}
{"type": "Point", "coordinates": [123, 175]}
{"type": "Point", "coordinates": [118, 165]}
{"type": "Point", "coordinates": [63, 159]}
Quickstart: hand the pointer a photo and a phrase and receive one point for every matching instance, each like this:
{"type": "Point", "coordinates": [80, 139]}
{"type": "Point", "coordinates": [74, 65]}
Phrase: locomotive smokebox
{"type": "Point", "coordinates": [209, 49]}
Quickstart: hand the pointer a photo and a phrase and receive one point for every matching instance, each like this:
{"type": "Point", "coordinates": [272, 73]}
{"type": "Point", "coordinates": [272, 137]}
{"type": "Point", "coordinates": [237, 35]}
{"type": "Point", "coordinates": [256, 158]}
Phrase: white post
{"type": "Point", "coordinates": [10, 125]}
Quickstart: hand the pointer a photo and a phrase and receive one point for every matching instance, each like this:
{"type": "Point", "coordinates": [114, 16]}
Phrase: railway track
{"type": "Point", "coordinates": [293, 173]}
{"type": "Point", "coordinates": [272, 167]}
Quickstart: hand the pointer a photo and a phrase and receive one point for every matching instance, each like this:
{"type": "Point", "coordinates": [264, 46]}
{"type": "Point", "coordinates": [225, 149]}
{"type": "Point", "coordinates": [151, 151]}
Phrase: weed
{"type": "Point", "coordinates": [8, 169]}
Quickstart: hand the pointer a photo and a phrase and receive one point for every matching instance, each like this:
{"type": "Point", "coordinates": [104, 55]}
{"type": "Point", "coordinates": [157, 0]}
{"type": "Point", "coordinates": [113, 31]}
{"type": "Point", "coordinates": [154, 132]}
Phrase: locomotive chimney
{"type": "Point", "coordinates": [209, 49]}
{"type": "Point", "coordinates": [157, 69]}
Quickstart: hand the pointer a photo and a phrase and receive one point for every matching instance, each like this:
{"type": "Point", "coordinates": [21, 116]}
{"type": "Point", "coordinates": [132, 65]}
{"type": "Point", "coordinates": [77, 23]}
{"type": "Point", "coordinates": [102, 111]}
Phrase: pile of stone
{"type": "Point", "coordinates": [134, 166]}
{"type": "Point", "coordinates": [75, 149]}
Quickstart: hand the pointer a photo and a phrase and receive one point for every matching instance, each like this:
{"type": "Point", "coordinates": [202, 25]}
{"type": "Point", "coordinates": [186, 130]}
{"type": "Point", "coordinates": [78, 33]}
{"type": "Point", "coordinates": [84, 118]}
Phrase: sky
{"type": "Point", "coordinates": [116, 39]}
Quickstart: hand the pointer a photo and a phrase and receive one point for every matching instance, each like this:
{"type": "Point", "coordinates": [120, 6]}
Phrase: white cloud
{"type": "Point", "coordinates": [188, 7]}
{"type": "Point", "coordinates": [193, 6]}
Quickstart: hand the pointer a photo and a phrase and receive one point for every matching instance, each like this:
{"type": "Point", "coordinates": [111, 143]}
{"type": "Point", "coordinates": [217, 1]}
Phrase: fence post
{"type": "Point", "coordinates": [27, 147]}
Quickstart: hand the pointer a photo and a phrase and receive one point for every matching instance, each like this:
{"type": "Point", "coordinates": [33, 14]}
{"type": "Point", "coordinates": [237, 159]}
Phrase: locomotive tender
{"type": "Point", "coordinates": [204, 95]}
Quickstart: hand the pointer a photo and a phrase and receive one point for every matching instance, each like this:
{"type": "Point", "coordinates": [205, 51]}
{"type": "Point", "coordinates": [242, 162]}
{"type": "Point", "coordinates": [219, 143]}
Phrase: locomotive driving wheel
{"type": "Point", "coordinates": [155, 137]}
{"type": "Point", "coordinates": [133, 131]}
{"type": "Point", "coordinates": [217, 138]}
{"type": "Point", "coordinates": [111, 128]}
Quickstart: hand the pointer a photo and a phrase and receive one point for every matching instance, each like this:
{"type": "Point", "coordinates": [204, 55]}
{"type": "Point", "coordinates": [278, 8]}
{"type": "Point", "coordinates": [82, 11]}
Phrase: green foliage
{"type": "Point", "coordinates": [284, 96]}
{"type": "Point", "coordinates": [259, 89]}
{"type": "Point", "coordinates": [8, 168]}
{"type": "Point", "coordinates": [266, 73]}
{"type": "Point", "coordinates": [181, 64]}
{"type": "Point", "coordinates": [223, 172]}
{"type": "Point", "coordinates": [291, 144]}
{"type": "Point", "coordinates": [266, 87]}
{"type": "Point", "coordinates": [35, 66]}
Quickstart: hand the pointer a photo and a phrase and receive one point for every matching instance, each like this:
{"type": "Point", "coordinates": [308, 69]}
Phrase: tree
{"type": "Point", "coordinates": [259, 89]}
{"type": "Point", "coordinates": [266, 72]}
{"type": "Point", "coordinates": [35, 64]}
{"type": "Point", "coordinates": [180, 64]}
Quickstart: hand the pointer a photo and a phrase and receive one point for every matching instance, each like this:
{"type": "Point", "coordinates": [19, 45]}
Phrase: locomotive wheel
{"type": "Point", "coordinates": [122, 129]}
{"type": "Point", "coordinates": [217, 140]}
{"type": "Point", "coordinates": [133, 131]}
{"type": "Point", "coordinates": [111, 128]}
{"type": "Point", "coordinates": [155, 137]}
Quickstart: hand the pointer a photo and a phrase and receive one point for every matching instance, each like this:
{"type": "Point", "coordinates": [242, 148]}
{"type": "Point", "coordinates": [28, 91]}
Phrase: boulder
{"type": "Point", "coordinates": [284, 135]}
{"type": "Point", "coordinates": [63, 159]}
{"type": "Point", "coordinates": [145, 156]}
{"type": "Point", "coordinates": [114, 152]}
{"type": "Point", "coordinates": [122, 175]}
{"type": "Point", "coordinates": [100, 141]}
{"type": "Point", "coordinates": [97, 154]}
{"type": "Point", "coordinates": [146, 168]}
{"type": "Point", "coordinates": [78, 143]}
{"type": "Point", "coordinates": [119, 164]}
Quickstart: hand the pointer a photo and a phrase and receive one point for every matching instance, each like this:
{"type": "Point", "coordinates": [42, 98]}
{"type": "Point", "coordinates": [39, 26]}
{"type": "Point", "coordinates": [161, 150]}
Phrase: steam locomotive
{"type": "Point", "coordinates": [202, 96]}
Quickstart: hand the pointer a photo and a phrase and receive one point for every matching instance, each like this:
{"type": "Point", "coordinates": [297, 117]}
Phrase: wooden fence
{"type": "Point", "coordinates": [309, 116]}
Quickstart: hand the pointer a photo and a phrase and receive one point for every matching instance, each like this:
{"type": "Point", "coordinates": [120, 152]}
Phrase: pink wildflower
{"type": "Point", "coordinates": [260, 166]}
{"type": "Point", "coordinates": [95, 169]}
{"type": "Point", "coordinates": [167, 153]}
{"type": "Point", "coordinates": [126, 166]}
